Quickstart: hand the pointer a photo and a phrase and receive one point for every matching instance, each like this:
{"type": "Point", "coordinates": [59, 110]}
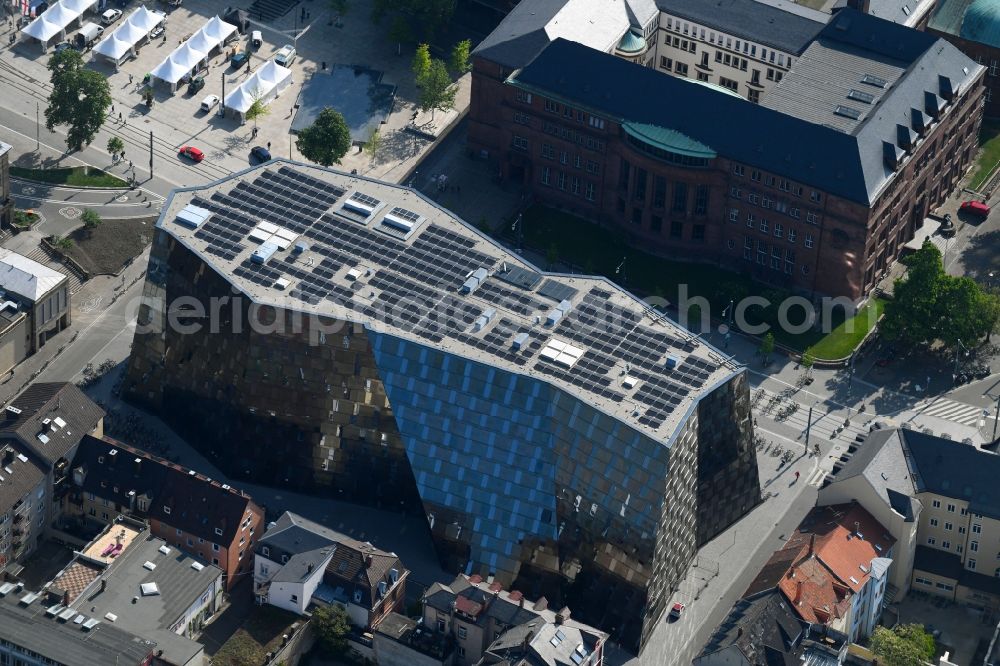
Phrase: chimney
{"type": "Point", "coordinates": [65, 599]}
{"type": "Point", "coordinates": [310, 568]}
{"type": "Point", "coordinates": [138, 466]}
{"type": "Point", "coordinates": [368, 561]}
{"type": "Point", "coordinates": [798, 593]}
{"type": "Point", "coordinates": [520, 602]}
{"type": "Point", "coordinates": [812, 544]}
{"type": "Point", "coordinates": [562, 615]}
{"type": "Point", "coordinates": [104, 584]}
{"type": "Point", "coordinates": [527, 639]}
{"type": "Point", "coordinates": [739, 632]}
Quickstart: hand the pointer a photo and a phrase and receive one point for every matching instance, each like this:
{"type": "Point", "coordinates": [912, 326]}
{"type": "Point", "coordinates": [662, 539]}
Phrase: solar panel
{"type": "Point", "coordinates": [365, 199]}
{"type": "Point", "coordinates": [557, 291]}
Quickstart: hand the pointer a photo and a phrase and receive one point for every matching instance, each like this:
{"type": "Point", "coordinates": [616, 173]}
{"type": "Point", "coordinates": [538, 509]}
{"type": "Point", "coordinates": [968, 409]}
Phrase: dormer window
{"type": "Point", "coordinates": [166, 509]}
{"type": "Point", "coordinates": [284, 559]}
{"type": "Point", "coordinates": [218, 530]}
{"type": "Point", "coordinates": [265, 551]}
{"type": "Point", "coordinates": [357, 596]}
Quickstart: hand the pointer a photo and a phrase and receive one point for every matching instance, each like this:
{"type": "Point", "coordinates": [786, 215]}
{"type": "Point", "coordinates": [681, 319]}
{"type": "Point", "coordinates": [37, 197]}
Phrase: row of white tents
{"type": "Point", "coordinates": [53, 21]}
{"type": "Point", "coordinates": [269, 81]}
{"type": "Point", "coordinates": [121, 43]}
{"type": "Point", "coordinates": [193, 54]}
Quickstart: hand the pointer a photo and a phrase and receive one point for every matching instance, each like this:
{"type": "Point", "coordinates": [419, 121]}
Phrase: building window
{"type": "Point", "coordinates": [924, 581]}
{"type": "Point", "coordinates": [551, 107]}
{"type": "Point", "coordinates": [548, 152]}
{"type": "Point", "coordinates": [462, 633]}
{"type": "Point", "coordinates": [666, 63]}
{"type": "Point", "coordinates": [563, 157]}
{"type": "Point", "coordinates": [947, 526]}
{"type": "Point", "coordinates": [595, 122]}
{"type": "Point", "coordinates": [265, 551]}
{"type": "Point", "coordinates": [934, 522]}
{"type": "Point", "coordinates": [731, 244]}
{"type": "Point", "coordinates": [816, 197]}
{"type": "Point", "coordinates": [698, 232]}
{"type": "Point", "coordinates": [763, 225]}
{"type": "Point", "coordinates": [951, 508]}
{"type": "Point", "coordinates": [656, 223]}
{"type": "Point", "coordinates": [659, 192]}
{"type": "Point", "coordinates": [776, 258]}
{"type": "Point", "coordinates": [961, 529]}
{"type": "Point", "coordinates": [946, 545]}
{"type": "Point", "coordinates": [971, 564]}
{"type": "Point", "coordinates": [592, 167]}
{"type": "Point", "coordinates": [737, 169]}
{"type": "Point", "coordinates": [977, 528]}
{"type": "Point", "coordinates": [735, 192]}
{"type": "Point", "coordinates": [681, 68]}
{"type": "Point", "coordinates": [936, 503]}
{"type": "Point", "coordinates": [701, 200]}
{"type": "Point", "coordinates": [751, 221]}
{"type": "Point", "coordinates": [522, 96]}
{"type": "Point", "coordinates": [789, 261]}
{"type": "Point", "coordinates": [588, 191]}
{"type": "Point", "coordinates": [519, 143]}
{"type": "Point", "coordinates": [973, 546]}
{"type": "Point", "coordinates": [461, 651]}
{"type": "Point", "coordinates": [808, 242]}
{"type": "Point", "coordinates": [561, 180]}
{"type": "Point", "coordinates": [215, 547]}
{"type": "Point", "coordinates": [441, 625]}
{"type": "Point", "coordinates": [546, 175]}
{"type": "Point", "coordinates": [676, 229]}
{"type": "Point", "coordinates": [734, 214]}
{"type": "Point", "coordinates": [761, 252]}
{"type": "Point", "coordinates": [680, 197]}
{"type": "Point", "coordinates": [575, 185]}
{"type": "Point", "coordinates": [753, 96]}
{"type": "Point", "coordinates": [931, 541]}
{"type": "Point", "coordinates": [522, 118]}
{"type": "Point", "coordinates": [729, 83]}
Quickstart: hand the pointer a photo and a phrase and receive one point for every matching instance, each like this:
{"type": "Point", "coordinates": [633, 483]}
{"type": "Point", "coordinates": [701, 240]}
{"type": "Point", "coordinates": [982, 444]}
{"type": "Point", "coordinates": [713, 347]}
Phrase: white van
{"type": "Point", "coordinates": [256, 39]}
{"type": "Point", "coordinates": [209, 102]}
{"type": "Point", "coordinates": [285, 55]}
{"type": "Point", "coordinates": [88, 34]}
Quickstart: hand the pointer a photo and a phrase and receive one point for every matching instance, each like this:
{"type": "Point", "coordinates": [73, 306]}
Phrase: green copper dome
{"type": "Point", "coordinates": [631, 43]}
{"type": "Point", "coordinates": [982, 22]}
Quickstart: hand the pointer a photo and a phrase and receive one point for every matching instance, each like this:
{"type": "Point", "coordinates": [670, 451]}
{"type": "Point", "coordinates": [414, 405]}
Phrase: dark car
{"type": "Point", "coordinates": [197, 83]}
{"type": "Point", "coordinates": [62, 46]}
{"type": "Point", "coordinates": [239, 59]}
{"type": "Point", "coordinates": [260, 153]}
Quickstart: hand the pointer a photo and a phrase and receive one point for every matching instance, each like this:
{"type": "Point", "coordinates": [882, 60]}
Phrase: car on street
{"type": "Point", "coordinates": [192, 153]}
{"type": "Point", "coordinates": [110, 16]}
{"type": "Point", "coordinates": [256, 39]}
{"type": "Point", "coordinates": [977, 208]}
{"type": "Point", "coordinates": [285, 55]}
{"type": "Point", "coordinates": [197, 83]}
{"type": "Point", "coordinates": [260, 153]}
{"type": "Point", "coordinates": [676, 611]}
{"type": "Point", "coordinates": [62, 46]}
{"type": "Point", "coordinates": [209, 102]}
{"type": "Point", "coordinates": [239, 59]}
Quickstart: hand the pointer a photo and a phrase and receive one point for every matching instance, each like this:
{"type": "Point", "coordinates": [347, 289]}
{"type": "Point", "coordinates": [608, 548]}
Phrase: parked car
{"type": "Point", "coordinates": [285, 55]}
{"type": "Point", "coordinates": [256, 39]}
{"type": "Point", "coordinates": [260, 153]}
{"type": "Point", "coordinates": [88, 34]}
{"type": "Point", "coordinates": [62, 46]}
{"type": "Point", "coordinates": [977, 208]}
{"type": "Point", "coordinates": [239, 59]}
{"type": "Point", "coordinates": [676, 611]}
{"type": "Point", "coordinates": [209, 102]}
{"type": "Point", "coordinates": [197, 83]}
{"type": "Point", "coordinates": [192, 153]}
{"type": "Point", "coordinates": [157, 31]}
{"type": "Point", "coordinates": [110, 16]}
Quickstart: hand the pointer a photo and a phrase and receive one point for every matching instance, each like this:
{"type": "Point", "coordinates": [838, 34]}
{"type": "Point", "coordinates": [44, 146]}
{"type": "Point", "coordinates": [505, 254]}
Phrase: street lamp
{"type": "Point", "coordinates": [621, 269]}
{"type": "Point", "coordinates": [963, 348]}
{"type": "Point", "coordinates": [517, 227]}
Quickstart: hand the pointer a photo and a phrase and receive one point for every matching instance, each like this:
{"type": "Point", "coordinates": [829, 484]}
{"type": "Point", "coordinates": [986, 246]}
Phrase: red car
{"type": "Point", "coordinates": [977, 208]}
{"type": "Point", "coordinates": [675, 612]}
{"type": "Point", "coordinates": [192, 153]}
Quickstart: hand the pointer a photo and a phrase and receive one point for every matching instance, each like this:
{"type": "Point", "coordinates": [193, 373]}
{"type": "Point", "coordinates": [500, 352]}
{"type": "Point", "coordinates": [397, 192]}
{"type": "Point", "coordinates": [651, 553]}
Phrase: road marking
{"type": "Point", "coordinates": [957, 412]}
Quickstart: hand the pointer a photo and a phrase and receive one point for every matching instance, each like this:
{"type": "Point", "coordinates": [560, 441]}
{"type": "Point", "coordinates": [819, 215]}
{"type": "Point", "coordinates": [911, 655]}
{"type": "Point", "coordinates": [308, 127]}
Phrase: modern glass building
{"type": "Point", "coordinates": [317, 329]}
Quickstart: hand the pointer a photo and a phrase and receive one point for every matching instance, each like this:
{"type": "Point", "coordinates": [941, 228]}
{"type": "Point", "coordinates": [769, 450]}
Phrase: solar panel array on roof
{"type": "Point", "coordinates": [557, 291]}
{"type": "Point", "coordinates": [518, 277]}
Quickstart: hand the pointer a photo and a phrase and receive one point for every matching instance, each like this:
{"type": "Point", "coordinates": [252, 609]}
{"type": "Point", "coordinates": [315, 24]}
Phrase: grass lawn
{"type": "Point", "coordinates": [595, 250]}
{"type": "Point", "coordinates": [107, 248]}
{"type": "Point", "coordinates": [83, 176]}
{"type": "Point", "coordinates": [989, 142]}
{"type": "Point", "coordinates": [260, 634]}
{"type": "Point", "coordinates": [840, 342]}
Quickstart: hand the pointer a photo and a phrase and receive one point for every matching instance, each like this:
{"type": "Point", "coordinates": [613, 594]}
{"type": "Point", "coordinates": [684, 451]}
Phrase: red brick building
{"type": "Point", "coordinates": [815, 189]}
{"type": "Point", "coordinates": [202, 517]}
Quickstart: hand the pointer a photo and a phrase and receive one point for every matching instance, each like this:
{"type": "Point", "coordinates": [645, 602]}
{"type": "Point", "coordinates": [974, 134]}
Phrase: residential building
{"type": "Point", "coordinates": [29, 635]}
{"type": "Point", "coordinates": [299, 561]}
{"type": "Point", "coordinates": [973, 26]}
{"type": "Point", "coordinates": [947, 511]}
{"type": "Point", "coordinates": [403, 641]}
{"type": "Point", "coordinates": [763, 629]}
{"type": "Point", "coordinates": [542, 424]}
{"type": "Point", "coordinates": [833, 570]}
{"type": "Point", "coordinates": [208, 519]}
{"type": "Point", "coordinates": [911, 13]}
{"type": "Point", "coordinates": [489, 625]}
{"type": "Point", "coordinates": [39, 291]}
{"type": "Point", "coordinates": [684, 170]}
{"type": "Point", "coordinates": [40, 431]}
{"type": "Point", "coordinates": [138, 583]}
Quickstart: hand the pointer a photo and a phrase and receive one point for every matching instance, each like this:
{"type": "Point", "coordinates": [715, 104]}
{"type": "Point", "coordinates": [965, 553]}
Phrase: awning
{"type": "Point", "coordinates": [266, 83]}
{"type": "Point", "coordinates": [187, 56]}
{"type": "Point", "coordinates": [925, 232]}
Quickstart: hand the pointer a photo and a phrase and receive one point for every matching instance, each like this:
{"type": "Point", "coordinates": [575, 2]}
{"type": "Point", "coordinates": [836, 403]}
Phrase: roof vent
{"type": "Point", "coordinates": [263, 253]}
{"type": "Point", "coordinates": [558, 312]}
{"type": "Point", "coordinates": [473, 280]}
{"type": "Point", "coordinates": [672, 362]}
{"type": "Point", "coordinates": [483, 320]}
{"type": "Point", "coordinates": [519, 340]}
{"type": "Point", "coordinates": [193, 216]}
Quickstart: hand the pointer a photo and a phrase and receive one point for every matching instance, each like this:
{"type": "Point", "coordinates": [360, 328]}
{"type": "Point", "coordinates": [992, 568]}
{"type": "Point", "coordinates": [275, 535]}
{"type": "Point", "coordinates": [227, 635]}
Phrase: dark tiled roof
{"type": "Point", "coordinates": [51, 400]}
{"type": "Point", "coordinates": [521, 34]}
{"type": "Point", "coordinates": [749, 19]}
{"type": "Point", "coordinates": [937, 562]}
{"type": "Point", "coordinates": [883, 463]}
{"type": "Point", "coordinates": [733, 127]}
{"type": "Point", "coordinates": [955, 470]}
{"type": "Point", "coordinates": [197, 505]}
{"type": "Point", "coordinates": [23, 477]}
{"type": "Point", "coordinates": [759, 629]}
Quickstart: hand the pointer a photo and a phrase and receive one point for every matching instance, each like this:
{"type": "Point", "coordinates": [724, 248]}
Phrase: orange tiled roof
{"type": "Point", "coordinates": [846, 540]}
{"type": "Point", "coordinates": [814, 593]}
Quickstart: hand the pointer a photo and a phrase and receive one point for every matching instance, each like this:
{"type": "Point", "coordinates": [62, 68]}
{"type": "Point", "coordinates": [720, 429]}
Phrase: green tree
{"type": "Point", "coordinates": [258, 109]}
{"type": "Point", "coordinates": [808, 361]}
{"type": "Point", "coordinates": [373, 145]}
{"type": "Point", "coordinates": [905, 645]}
{"type": "Point", "coordinates": [460, 58]}
{"type": "Point", "coordinates": [766, 347]}
{"type": "Point", "coordinates": [62, 242]}
{"type": "Point", "coordinates": [421, 64]}
{"type": "Point", "coordinates": [400, 32]}
{"type": "Point", "coordinates": [115, 146]}
{"type": "Point", "coordinates": [928, 305]}
{"type": "Point", "coordinates": [327, 140]}
{"type": "Point", "coordinates": [91, 220]}
{"type": "Point", "coordinates": [437, 92]}
{"type": "Point", "coordinates": [80, 98]}
{"type": "Point", "coordinates": [332, 627]}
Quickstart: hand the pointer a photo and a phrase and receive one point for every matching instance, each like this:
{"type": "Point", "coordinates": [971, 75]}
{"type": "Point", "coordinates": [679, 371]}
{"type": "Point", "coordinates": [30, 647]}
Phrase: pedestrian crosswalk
{"type": "Point", "coordinates": [43, 257]}
{"type": "Point", "coordinates": [957, 412]}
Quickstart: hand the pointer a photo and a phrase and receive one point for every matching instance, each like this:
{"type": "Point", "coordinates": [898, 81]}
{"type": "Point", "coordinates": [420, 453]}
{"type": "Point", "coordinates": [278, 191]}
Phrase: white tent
{"type": "Point", "coordinates": [122, 41]}
{"type": "Point", "coordinates": [54, 20]}
{"type": "Point", "coordinates": [186, 57]}
{"type": "Point", "coordinates": [266, 83]}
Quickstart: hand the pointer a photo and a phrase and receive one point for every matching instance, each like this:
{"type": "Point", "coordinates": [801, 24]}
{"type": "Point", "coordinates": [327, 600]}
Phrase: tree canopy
{"type": "Point", "coordinates": [115, 145]}
{"type": "Point", "coordinates": [332, 627]}
{"type": "Point", "coordinates": [929, 305]}
{"type": "Point", "coordinates": [80, 98]}
{"type": "Point", "coordinates": [373, 145]}
{"type": "Point", "coordinates": [460, 57]}
{"type": "Point", "coordinates": [327, 140]}
{"type": "Point", "coordinates": [257, 109]}
{"type": "Point", "coordinates": [91, 219]}
{"type": "Point", "coordinates": [437, 91]}
{"type": "Point", "coordinates": [421, 65]}
{"type": "Point", "coordinates": [904, 645]}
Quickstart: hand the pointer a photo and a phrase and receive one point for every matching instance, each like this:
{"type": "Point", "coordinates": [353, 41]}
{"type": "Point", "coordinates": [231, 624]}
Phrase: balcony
{"type": "Point", "coordinates": [18, 517]}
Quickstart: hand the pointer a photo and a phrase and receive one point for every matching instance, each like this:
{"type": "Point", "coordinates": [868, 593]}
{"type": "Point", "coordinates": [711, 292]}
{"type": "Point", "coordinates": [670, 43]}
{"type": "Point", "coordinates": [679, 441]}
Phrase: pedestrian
{"type": "Point", "coordinates": [130, 79]}
{"type": "Point", "coordinates": [120, 117]}
{"type": "Point", "coordinates": [130, 165]}
{"type": "Point", "coordinates": [112, 109]}
{"type": "Point", "coordinates": [269, 145]}
{"type": "Point", "coordinates": [248, 68]}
